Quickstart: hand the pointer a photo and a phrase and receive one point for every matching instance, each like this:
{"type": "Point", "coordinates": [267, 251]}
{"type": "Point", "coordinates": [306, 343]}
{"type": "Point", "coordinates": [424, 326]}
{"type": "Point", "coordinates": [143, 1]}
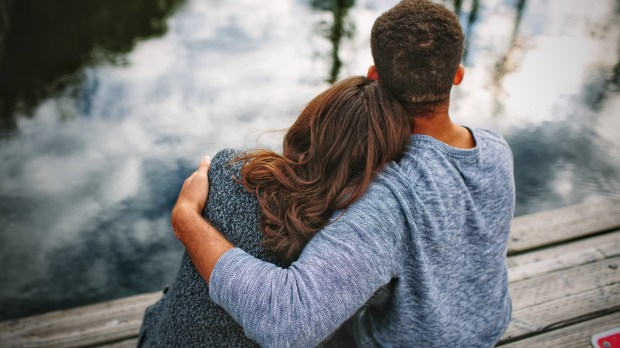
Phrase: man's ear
{"type": "Point", "coordinates": [372, 73]}
{"type": "Point", "coordinates": [458, 77]}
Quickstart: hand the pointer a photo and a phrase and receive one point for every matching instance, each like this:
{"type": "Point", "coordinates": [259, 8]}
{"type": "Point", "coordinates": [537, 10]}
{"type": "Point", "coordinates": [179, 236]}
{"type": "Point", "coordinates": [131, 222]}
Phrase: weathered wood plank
{"type": "Point", "coordinates": [573, 336]}
{"type": "Point", "coordinates": [565, 283]}
{"type": "Point", "coordinates": [551, 227]}
{"type": "Point", "coordinates": [563, 311]}
{"type": "Point", "coordinates": [563, 297]}
{"type": "Point", "coordinates": [83, 326]}
{"type": "Point", "coordinates": [538, 262]}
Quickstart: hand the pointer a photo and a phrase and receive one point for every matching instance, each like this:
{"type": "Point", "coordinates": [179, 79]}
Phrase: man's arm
{"type": "Point", "coordinates": [337, 272]}
{"type": "Point", "coordinates": [204, 243]}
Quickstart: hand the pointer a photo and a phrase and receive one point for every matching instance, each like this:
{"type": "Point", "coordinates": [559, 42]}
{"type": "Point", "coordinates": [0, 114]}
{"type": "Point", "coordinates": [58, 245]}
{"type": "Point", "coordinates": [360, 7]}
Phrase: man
{"type": "Point", "coordinates": [434, 226]}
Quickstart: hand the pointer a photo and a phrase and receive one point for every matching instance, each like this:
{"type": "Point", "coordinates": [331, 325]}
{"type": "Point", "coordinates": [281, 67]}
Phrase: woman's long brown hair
{"type": "Point", "coordinates": [338, 144]}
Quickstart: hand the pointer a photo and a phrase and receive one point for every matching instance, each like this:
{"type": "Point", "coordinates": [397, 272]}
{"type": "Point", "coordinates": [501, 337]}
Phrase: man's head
{"type": "Point", "coordinates": [417, 47]}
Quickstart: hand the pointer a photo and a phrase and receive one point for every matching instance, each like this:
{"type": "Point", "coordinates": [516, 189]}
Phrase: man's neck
{"type": "Point", "coordinates": [440, 126]}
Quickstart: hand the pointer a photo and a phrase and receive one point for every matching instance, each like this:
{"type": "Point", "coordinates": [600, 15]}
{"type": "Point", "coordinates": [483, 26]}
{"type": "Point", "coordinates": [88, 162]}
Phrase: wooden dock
{"type": "Point", "coordinates": [564, 281]}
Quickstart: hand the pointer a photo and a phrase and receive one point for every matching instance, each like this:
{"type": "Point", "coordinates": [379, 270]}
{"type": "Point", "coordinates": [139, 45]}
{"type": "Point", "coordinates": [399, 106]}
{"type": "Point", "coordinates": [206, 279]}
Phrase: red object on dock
{"type": "Point", "coordinates": [607, 339]}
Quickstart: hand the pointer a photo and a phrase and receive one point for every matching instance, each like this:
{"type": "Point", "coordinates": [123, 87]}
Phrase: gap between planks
{"type": "Point", "coordinates": [573, 336]}
{"type": "Point", "coordinates": [555, 226]}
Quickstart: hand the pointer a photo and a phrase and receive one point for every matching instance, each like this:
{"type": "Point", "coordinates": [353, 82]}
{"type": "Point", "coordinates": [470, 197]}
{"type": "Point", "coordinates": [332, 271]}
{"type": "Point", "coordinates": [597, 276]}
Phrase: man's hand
{"type": "Point", "coordinates": [193, 196]}
{"type": "Point", "coordinates": [195, 190]}
{"type": "Point", "coordinates": [203, 242]}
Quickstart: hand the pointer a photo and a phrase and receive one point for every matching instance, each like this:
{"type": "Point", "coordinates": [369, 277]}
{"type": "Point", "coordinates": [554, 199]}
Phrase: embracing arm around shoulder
{"type": "Point", "coordinates": [204, 243]}
{"type": "Point", "coordinates": [338, 271]}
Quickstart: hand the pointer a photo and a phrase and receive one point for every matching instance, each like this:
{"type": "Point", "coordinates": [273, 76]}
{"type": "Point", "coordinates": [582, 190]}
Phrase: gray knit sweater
{"type": "Point", "coordinates": [186, 316]}
{"type": "Point", "coordinates": [435, 224]}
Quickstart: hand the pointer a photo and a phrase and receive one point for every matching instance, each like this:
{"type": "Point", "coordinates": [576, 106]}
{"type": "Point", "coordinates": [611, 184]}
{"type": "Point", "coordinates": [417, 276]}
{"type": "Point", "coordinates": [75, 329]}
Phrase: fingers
{"type": "Point", "coordinates": [195, 190]}
{"type": "Point", "coordinates": [203, 167]}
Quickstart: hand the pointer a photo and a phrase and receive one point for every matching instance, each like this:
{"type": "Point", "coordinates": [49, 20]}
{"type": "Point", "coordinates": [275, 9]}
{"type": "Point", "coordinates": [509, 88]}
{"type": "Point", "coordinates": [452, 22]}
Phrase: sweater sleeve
{"type": "Point", "coordinates": [337, 272]}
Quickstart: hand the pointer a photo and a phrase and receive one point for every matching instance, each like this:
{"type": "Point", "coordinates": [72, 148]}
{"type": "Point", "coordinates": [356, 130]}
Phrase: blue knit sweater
{"type": "Point", "coordinates": [434, 226]}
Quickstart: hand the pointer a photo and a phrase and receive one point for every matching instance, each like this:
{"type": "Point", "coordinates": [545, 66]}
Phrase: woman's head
{"type": "Point", "coordinates": [331, 153]}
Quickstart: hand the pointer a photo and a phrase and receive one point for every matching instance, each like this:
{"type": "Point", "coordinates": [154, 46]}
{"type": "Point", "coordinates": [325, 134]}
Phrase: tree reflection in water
{"type": "Point", "coordinates": [339, 28]}
{"type": "Point", "coordinates": [47, 42]}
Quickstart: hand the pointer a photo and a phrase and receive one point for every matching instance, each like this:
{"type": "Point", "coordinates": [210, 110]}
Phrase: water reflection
{"type": "Point", "coordinates": [46, 43]}
{"type": "Point", "coordinates": [610, 85]}
{"type": "Point", "coordinates": [467, 22]}
{"type": "Point", "coordinates": [89, 180]}
{"type": "Point", "coordinates": [564, 154]}
{"type": "Point", "coordinates": [339, 29]}
{"type": "Point", "coordinates": [509, 62]}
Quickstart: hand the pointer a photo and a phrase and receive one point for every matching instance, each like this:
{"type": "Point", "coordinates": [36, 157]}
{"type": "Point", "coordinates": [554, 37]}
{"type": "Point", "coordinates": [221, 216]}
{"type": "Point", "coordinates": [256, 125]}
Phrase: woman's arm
{"type": "Point", "coordinates": [338, 270]}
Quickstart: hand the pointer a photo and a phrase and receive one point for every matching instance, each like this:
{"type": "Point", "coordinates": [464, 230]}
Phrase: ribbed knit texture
{"type": "Point", "coordinates": [434, 226]}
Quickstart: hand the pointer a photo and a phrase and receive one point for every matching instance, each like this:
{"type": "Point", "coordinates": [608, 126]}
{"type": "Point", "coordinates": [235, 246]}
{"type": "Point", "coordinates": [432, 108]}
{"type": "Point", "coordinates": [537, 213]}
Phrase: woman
{"type": "Point", "coordinates": [341, 140]}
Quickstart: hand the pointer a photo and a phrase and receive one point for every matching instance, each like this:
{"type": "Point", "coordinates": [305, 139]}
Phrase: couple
{"type": "Point", "coordinates": [381, 224]}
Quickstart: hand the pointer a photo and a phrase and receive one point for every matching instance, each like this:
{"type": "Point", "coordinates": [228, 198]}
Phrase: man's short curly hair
{"type": "Point", "coordinates": [417, 47]}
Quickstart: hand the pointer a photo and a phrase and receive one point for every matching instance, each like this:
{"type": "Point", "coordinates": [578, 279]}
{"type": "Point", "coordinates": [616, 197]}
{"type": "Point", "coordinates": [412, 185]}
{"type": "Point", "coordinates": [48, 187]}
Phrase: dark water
{"type": "Point", "coordinates": [107, 105]}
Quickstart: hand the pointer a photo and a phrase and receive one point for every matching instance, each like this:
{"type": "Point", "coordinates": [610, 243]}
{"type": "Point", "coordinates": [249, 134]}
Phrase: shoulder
{"type": "Point", "coordinates": [381, 205]}
{"type": "Point", "coordinates": [224, 161]}
{"type": "Point", "coordinates": [223, 175]}
{"type": "Point", "coordinates": [490, 138]}
{"type": "Point", "coordinates": [224, 169]}
{"type": "Point", "coordinates": [494, 148]}
{"type": "Point", "coordinates": [230, 208]}
{"type": "Point", "coordinates": [372, 228]}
